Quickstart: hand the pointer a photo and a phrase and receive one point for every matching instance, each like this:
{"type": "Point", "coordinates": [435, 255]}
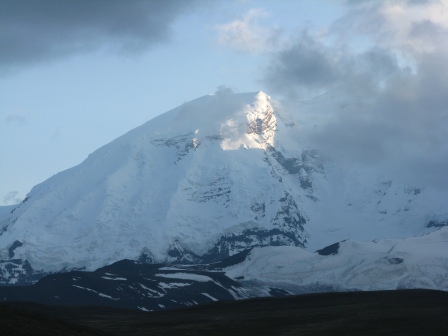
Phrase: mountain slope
{"type": "Point", "coordinates": [202, 182]}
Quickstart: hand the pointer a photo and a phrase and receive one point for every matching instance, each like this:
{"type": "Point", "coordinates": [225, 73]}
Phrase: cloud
{"type": "Point", "coordinates": [248, 35]}
{"type": "Point", "coordinates": [392, 87]}
{"type": "Point", "coordinates": [309, 67]}
{"type": "Point", "coordinates": [409, 27]}
{"type": "Point", "coordinates": [11, 198]}
{"type": "Point", "coordinates": [16, 119]}
{"type": "Point", "coordinates": [403, 130]}
{"type": "Point", "coordinates": [306, 64]}
{"type": "Point", "coordinates": [223, 90]}
{"type": "Point", "coordinates": [36, 31]}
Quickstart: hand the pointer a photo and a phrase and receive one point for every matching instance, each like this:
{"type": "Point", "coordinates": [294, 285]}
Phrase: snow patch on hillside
{"type": "Point", "coordinates": [417, 262]}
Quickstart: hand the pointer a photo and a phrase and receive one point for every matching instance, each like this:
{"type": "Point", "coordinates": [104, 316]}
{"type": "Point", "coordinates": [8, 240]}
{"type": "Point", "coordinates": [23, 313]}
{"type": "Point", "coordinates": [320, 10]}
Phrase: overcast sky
{"type": "Point", "coordinates": [75, 75]}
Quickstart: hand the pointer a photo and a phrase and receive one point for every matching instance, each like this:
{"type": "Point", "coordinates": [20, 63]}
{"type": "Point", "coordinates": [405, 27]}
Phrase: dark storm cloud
{"type": "Point", "coordinates": [35, 31]}
{"type": "Point", "coordinates": [404, 129]}
{"type": "Point", "coordinates": [309, 66]}
{"type": "Point", "coordinates": [306, 64]}
{"type": "Point", "coordinates": [397, 112]}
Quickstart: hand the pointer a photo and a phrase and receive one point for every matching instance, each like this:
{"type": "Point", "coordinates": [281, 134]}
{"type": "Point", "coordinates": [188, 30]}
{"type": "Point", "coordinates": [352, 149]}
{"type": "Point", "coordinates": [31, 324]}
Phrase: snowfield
{"type": "Point", "coordinates": [418, 262]}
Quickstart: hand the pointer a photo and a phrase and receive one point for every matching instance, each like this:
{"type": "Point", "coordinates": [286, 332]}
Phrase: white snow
{"type": "Point", "coordinates": [151, 292]}
{"type": "Point", "coordinates": [94, 291]}
{"type": "Point", "coordinates": [85, 288]}
{"type": "Point", "coordinates": [186, 276]}
{"type": "Point", "coordinates": [168, 268]}
{"type": "Point", "coordinates": [117, 278]}
{"type": "Point", "coordinates": [107, 296]}
{"type": "Point", "coordinates": [172, 285]}
{"type": "Point", "coordinates": [197, 172]}
{"type": "Point", "coordinates": [210, 297]}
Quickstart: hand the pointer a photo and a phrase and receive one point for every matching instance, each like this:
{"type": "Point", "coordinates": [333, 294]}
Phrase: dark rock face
{"type": "Point", "coordinates": [292, 165]}
{"type": "Point", "coordinates": [178, 254]}
{"type": "Point", "coordinates": [18, 272]}
{"type": "Point", "coordinates": [265, 123]}
{"type": "Point", "coordinates": [308, 163]}
{"type": "Point", "coordinates": [15, 245]}
{"type": "Point", "coordinates": [436, 224]}
{"type": "Point", "coordinates": [332, 249]}
{"type": "Point", "coordinates": [395, 261]}
{"type": "Point", "coordinates": [289, 218]}
{"type": "Point", "coordinates": [231, 244]}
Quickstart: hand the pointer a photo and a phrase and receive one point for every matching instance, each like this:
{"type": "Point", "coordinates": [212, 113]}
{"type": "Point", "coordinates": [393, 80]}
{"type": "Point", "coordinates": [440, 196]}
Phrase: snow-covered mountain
{"type": "Point", "coordinates": [211, 178]}
{"type": "Point", "coordinates": [267, 271]}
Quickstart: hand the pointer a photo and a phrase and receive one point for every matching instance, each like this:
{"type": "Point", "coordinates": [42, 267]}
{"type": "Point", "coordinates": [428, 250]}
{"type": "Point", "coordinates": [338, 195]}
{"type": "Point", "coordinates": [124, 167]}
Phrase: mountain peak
{"type": "Point", "coordinates": [241, 120]}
